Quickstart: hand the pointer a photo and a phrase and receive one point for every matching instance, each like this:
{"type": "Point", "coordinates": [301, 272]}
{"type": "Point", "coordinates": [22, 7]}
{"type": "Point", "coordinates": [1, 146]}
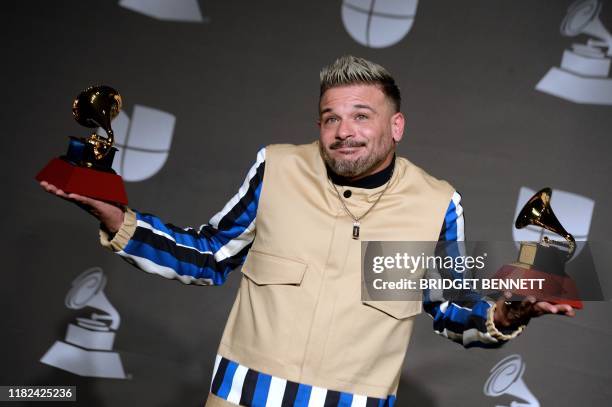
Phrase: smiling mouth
{"type": "Point", "coordinates": [347, 147]}
{"type": "Point", "coordinates": [348, 150]}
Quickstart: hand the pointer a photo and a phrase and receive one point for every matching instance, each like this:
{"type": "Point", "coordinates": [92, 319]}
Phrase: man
{"type": "Point", "coordinates": [298, 333]}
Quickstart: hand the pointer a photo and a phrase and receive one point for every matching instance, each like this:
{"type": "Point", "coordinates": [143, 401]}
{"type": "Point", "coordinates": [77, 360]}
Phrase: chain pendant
{"type": "Point", "coordinates": [356, 230]}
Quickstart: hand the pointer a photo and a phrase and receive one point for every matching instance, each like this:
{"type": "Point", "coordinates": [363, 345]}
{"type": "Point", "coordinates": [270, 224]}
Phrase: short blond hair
{"type": "Point", "coordinates": [351, 70]}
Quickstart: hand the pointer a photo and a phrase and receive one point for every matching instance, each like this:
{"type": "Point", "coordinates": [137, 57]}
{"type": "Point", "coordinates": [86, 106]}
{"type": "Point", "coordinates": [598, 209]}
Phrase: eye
{"type": "Point", "coordinates": [330, 120]}
{"type": "Point", "coordinates": [361, 116]}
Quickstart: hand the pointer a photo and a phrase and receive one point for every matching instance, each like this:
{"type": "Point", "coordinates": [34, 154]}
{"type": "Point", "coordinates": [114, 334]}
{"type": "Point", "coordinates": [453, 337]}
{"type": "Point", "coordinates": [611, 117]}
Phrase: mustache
{"type": "Point", "coordinates": [345, 144]}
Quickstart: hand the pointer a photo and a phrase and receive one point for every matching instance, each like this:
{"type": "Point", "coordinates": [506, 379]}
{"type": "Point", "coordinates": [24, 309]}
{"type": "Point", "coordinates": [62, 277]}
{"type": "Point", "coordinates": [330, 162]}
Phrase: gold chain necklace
{"type": "Point", "coordinates": [356, 220]}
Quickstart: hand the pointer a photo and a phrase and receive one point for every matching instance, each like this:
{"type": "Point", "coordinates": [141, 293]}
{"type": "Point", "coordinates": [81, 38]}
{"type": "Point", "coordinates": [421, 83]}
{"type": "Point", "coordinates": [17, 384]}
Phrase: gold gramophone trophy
{"type": "Point", "coordinates": [545, 259]}
{"type": "Point", "coordinates": [86, 169]}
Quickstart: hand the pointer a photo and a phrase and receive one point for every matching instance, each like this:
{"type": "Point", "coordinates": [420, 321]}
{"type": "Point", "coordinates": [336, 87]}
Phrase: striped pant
{"type": "Point", "coordinates": [234, 384]}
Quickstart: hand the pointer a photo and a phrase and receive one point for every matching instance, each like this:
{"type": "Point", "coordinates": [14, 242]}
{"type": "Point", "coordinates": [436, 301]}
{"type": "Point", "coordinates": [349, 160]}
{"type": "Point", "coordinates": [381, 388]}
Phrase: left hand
{"type": "Point", "coordinates": [515, 313]}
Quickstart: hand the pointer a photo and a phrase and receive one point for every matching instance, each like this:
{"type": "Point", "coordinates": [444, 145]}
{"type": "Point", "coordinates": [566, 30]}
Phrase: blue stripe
{"type": "Point", "coordinates": [346, 399]}
{"type": "Point", "coordinates": [166, 259]}
{"type": "Point", "coordinates": [185, 239]}
{"type": "Point", "coordinates": [217, 241]}
{"type": "Point", "coordinates": [458, 315]}
{"type": "Point", "coordinates": [451, 222]}
{"type": "Point", "coordinates": [480, 309]}
{"type": "Point", "coordinates": [391, 400]}
{"type": "Point", "coordinates": [260, 396]}
{"type": "Point", "coordinates": [226, 384]}
{"type": "Point", "coordinates": [382, 403]}
{"type": "Point", "coordinates": [240, 225]}
{"type": "Point", "coordinates": [303, 396]}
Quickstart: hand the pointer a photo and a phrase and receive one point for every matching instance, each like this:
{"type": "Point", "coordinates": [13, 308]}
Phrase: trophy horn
{"type": "Point", "coordinates": [537, 211]}
{"type": "Point", "coordinates": [97, 106]}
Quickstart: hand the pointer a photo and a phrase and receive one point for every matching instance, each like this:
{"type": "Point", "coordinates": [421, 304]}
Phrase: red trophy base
{"type": "Point", "coordinates": [556, 289]}
{"type": "Point", "coordinates": [84, 181]}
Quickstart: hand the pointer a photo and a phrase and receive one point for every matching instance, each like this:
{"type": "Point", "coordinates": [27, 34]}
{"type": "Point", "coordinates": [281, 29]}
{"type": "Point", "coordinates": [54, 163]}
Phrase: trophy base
{"type": "Point", "coordinates": [556, 288]}
{"type": "Point", "coordinates": [95, 184]}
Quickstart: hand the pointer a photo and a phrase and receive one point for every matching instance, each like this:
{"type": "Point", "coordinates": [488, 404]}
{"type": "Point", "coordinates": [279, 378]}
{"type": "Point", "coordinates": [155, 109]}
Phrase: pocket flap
{"type": "Point", "coordinates": [263, 268]}
{"type": "Point", "coordinates": [397, 309]}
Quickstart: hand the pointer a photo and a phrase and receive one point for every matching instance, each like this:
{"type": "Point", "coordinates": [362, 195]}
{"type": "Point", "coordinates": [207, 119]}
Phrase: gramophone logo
{"type": "Point", "coordinates": [584, 73]}
{"type": "Point", "coordinates": [378, 23]}
{"type": "Point", "coordinates": [573, 211]}
{"type": "Point", "coordinates": [507, 379]}
{"type": "Point", "coordinates": [169, 10]}
{"type": "Point", "coordinates": [143, 142]}
{"type": "Point", "coordinates": [87, 349]}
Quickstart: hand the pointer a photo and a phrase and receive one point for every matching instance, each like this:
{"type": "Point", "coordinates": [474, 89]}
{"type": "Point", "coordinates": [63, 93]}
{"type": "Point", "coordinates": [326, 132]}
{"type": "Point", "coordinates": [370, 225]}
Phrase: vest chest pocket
{"type": "Point", "coordinates": [270, 311]}
{"type": "Point", "coordinates": [267, 269]}
{"type": "Point", "coordinates": [397, 309]}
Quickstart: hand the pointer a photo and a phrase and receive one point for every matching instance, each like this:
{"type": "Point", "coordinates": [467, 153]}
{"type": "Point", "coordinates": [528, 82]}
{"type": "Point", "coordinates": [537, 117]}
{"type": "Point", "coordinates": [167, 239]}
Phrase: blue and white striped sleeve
{"type": "Point", "coordinates": [470, 321]}
{"type": "Point", "coordinates": [205, 256]}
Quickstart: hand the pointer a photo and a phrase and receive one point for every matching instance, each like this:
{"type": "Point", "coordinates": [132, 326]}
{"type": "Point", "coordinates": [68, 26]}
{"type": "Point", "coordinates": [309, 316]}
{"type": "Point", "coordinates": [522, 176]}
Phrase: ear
{"type": "Point", "coordinates": [397, 126]}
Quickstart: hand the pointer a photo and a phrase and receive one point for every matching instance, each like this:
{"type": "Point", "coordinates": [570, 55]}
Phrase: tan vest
{"type": "Point", "coordinates": [298, 314]}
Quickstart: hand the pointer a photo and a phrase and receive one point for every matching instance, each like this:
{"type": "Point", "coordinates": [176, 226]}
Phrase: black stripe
{"type": "Point", "coordinates": [290, 394]}
{"type": "Point", "coordinates": [218, 379]}
{"type": "Point", "coordinates": [442, 237]}
{"type": "Point", "coordinates": [188, 255]}
{"type": "Point", "coordinates": [372, 402]}
{"type": "Point", "coordinates": [474, 321]}
{"type": "Point", "coordinates": [227, 221]}
{"type": "Point", "coordinates": [230, 218]}
{"type": "Point", "coordinates": [248, 388]}
{"type": "Point", "coordinates": [332, 398]}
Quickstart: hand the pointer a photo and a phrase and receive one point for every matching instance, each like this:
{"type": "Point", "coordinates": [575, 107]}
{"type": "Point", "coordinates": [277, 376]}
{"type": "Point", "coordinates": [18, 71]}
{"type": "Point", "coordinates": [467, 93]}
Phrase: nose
{"type": "Point", "coordinates": [344, 130]}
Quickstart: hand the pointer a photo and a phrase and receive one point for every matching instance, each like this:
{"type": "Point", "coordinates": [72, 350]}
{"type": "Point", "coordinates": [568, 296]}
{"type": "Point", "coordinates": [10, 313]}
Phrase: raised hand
{"type": "Point", "coordinates": [516, 313]}
{"type": "Point", "coordinates": [109, 215]}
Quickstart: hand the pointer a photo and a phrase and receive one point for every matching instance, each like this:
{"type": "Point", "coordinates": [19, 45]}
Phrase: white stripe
{"type": "Point", "coordinates": [317, 397]}
{"type": "Point", "coordinates": [459, 211]}
{"type": "Point", "coordinates": [214, 221]}
{"type": "Point", "coordinates": [237, 382]}
{"type": "Point", "coordinates": [234, 246]}
{"type": "Point", "coordinates": [276, 392]}
{"type": "Point", "coordinates": [148, 266]}
{"type": "Point", "coordinates": [460, 307]}
{"type": "Point", "coordinates": [217, 361]}
{"type": "Point", "coordinates": [146, 225]}
{"type": "Point", "coordinates": [474, 335]}
{"type": "Point", "coordinates": [359, 400]}
{"type": "Point", "coordinates": [450, 335]}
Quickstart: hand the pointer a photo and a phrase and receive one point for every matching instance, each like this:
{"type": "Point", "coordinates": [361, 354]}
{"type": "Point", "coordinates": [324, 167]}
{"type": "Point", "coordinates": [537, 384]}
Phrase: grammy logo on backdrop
{"type": "Point", "coordinates": [88, 347]}
{"type": "Point", "coordinates": [507, 379]}
{"type": "Point", "coordinates": [584, 73]}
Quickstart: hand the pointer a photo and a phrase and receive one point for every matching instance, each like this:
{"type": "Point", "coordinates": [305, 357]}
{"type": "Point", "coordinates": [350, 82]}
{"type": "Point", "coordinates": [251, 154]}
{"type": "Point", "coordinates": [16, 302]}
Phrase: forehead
{"type": "Point", "coordinates": [348, 96]}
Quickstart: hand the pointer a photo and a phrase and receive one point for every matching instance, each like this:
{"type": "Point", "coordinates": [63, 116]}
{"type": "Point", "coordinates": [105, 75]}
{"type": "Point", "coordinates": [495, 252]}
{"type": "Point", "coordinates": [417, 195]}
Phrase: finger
{"type": "Point", "coordinates": [566, 309]}
{"type": "Point", "coordinates": [61, 193]}
{"type": "Point", "coordinates": [48, 187]}
{"type": "Point", "coordinates": [80, 198]}
{"type": "Point", "coordinates": [546, 308]}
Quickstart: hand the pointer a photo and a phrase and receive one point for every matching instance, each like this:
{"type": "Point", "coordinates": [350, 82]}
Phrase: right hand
{"type": "Point", "coordinates": [109, 215]}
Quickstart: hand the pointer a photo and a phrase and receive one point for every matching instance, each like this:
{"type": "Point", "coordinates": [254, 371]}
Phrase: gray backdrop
{"type": "Point", "coordinates": [246, 77]}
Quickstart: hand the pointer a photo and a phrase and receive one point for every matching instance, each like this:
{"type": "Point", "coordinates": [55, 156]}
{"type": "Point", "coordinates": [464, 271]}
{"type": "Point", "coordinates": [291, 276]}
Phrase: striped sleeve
{"type": "Point", "coordinates": [470, 321]}
{"type": "Point", "coordinates": [204, 256]}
